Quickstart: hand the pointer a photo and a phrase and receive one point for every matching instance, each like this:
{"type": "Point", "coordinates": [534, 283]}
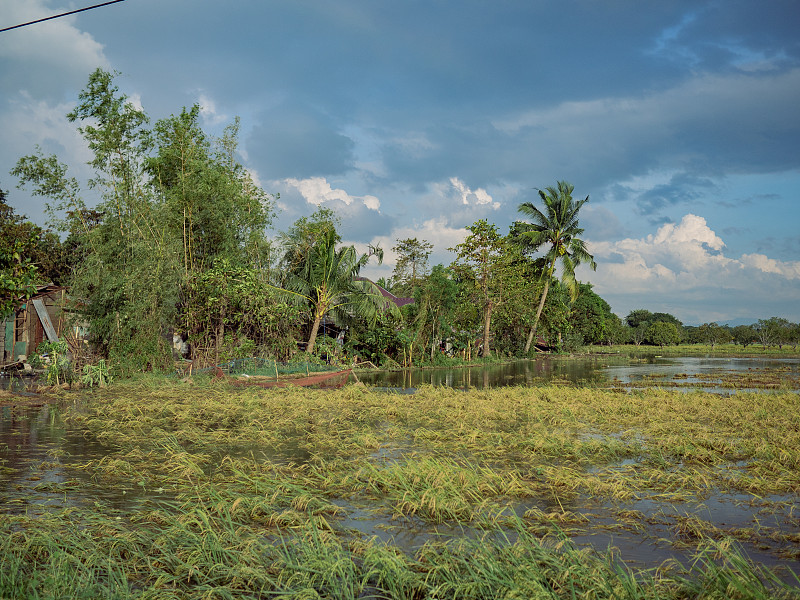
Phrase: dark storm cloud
{"type": "Point", "coordinates": [361, 223]}
{"type": "Point", "coordinates": [682, 188]}
{"type": "Point", "coordinates": [654, 110]}
{"type": "Point", "coordinates": [293, 140]}
{"type": "Point", "coordinates": [600, 223]}
{"type": "Point", "coordinates": [742, 31]}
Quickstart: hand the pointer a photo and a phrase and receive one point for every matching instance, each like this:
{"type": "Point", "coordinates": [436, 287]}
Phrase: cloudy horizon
{"type": "Point", "coordinates": [415, 119]}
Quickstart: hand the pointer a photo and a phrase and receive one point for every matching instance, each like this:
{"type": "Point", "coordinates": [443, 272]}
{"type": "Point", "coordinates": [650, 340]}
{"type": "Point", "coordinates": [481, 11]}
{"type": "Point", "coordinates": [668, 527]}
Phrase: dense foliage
{"type": "Point", "coordinates": [172, 205]}
{"type": "Point", "coordinates": [177, 246]}
{"type": "Point", "coordinates": [557, 227]}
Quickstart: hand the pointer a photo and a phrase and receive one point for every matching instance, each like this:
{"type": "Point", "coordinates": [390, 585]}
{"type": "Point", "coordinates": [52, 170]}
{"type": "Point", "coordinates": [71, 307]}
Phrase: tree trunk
{"type": "Point", "coordinates": [313, 337]}
{"type": "Point", "coordinates": [433, 340]}
{"type": "Point", "coordinates": [486, 327]}
{"type": "Point", "coordinates": [538, 314]}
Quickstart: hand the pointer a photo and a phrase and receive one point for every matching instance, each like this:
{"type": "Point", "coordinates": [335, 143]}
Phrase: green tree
{"type": "Point", "coordinates": [713, 334]}
{"type": "Point", "coordinates": [231, 312]}
{"type": "Point", "coordinates": [379, 340]}
{"type": "Point", "coordinates": [485, 258]}
{"type": "Point", "coordinates": [615, 332]}
{"type": "Point", "coordinates": [327, 280]}
{"type": "Point", "coordinates": [662, 333]}
{"type": "Point", "coordinates": [555, 322]}
{"type": "Point", "coordinates": [129, 282]}
{"type": "Point", "coordinates": [412, 263]}
{"type": "Point", "coordinates": [48, 178]}
{"type": "Point", "coordinates": [558, 227]}
{"type": "Point", "coordinates": [692, 335]}
{"type": "Point", "coordinates": [640, 320]}
{"type": "Point", "coordinates": [172, 204]}
{"type": "Point", "coordinates": [668, 318]}
{"type": "Point", "coordinates": [124, 280]}
{"type": "Point", "coordinates": [639, 317]}
{"type": "Point", "coordinates": [771, 331]}
{"type": "Point", "coordinates": [775, 330]}
{"type": "Point", "coordinates": [744, 335]}
{"type": "Point", "coordinates": [512, 318]}
{"type": "Point", "coordinates": [431, 315]}
{"type": "Point", "coordinates": [211, 202]}
{"type": "Point", "coordinates": [590, 315]}
{"type": "Point", "coordinates": [638, 334]}
{"type": "Point", "coordinates": [66, 212]}
{"type": "Point", "coordinates": [40, 247]}
{"type": "Point", "coordinates": [17, 278]}
{"type": "Point", "coordinates": [793, 337]}
{"type": "Point", "coordinates": [301, 237]}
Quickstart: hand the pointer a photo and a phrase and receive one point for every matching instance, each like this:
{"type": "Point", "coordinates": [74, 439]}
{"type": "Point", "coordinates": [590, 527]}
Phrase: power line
{"type": "Point", "coordinates": [72, 12]}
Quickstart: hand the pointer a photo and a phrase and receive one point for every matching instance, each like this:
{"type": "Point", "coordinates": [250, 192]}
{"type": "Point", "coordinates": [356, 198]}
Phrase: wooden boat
{"type": "Point", "coordinates": [329, 380]}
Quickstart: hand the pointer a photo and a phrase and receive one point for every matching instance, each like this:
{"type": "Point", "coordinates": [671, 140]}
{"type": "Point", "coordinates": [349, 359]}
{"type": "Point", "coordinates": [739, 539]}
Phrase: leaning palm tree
{"type": "Point", "coordinates": [558, 227]}
{"type": "Point", "coordinates": [326, 279]}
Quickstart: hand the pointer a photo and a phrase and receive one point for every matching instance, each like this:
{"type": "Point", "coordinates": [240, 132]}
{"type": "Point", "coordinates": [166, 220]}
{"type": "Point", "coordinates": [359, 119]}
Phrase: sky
{"type": "Point", "coordinates": [680, 120]}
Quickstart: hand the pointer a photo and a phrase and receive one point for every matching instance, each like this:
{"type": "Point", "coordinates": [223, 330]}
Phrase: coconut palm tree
{"type": "Point", "coordinates": [558, 227]}
{"type": "Point", "coordinates": [327, 280]}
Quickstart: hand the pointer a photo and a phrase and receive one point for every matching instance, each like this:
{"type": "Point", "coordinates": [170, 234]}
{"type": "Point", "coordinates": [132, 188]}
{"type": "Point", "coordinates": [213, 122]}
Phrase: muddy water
{"type": "Point", "coordinates": [15, 383]}
{"type": "Point", "coordinates": [605, 526]}
{"type": "Point", "coordinates": [526, 372]}
{"type": "Point", "coordinates": [599, 370]}
{"type": "Point", "coordinates": [43, 458]}
{"type": "Point", "coordinates": [707, 373]}
{"type": "Point", "coordinates": [642, 533]}
{"type": "Point", "coordinates": [698, 371]}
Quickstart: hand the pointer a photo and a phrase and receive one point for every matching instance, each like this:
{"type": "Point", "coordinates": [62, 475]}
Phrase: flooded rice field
{"type": "Point", "coordinates": [199, 489]}
{"type": "Point", "coordinates": [632, 370]}
{"type": "Point", "coordinates": [715, 374]}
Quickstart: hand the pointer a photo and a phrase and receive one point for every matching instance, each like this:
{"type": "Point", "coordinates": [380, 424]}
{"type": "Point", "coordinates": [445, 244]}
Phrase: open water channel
{"type": "Point", "coordinates": [41, 453]}
{"type": "Point", "coordinates": [715, 374]}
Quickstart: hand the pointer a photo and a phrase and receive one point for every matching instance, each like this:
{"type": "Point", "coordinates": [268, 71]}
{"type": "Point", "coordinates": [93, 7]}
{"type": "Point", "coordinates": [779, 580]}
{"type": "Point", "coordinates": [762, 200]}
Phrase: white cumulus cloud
{"type": "Point", "coordinates": [789, 270]}
{"type": "Point", "coordinates": [317, 191]}
{"type": "Point", "coordinates": [209, 111]}
{"type": "Point", "coordinates": [471, 197]}
{"type": "Point", "coordinates": [435, 231]}
{"type": "Point", "coordinates": [684, 266]}
{"type": "Point", "coordinates": [36, 57]}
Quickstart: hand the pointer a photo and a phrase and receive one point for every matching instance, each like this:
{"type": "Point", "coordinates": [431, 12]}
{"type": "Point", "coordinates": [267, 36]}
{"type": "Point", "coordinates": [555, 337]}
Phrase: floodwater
{"type": "Point", "coordinates": [703, 372]}
{"type": "Point", "coordinates": [42, 459]}
{"type": "Point", "coordinates": [15, 383]}
{"type": "Point", "coordinates": [645, 532]}
{"type": "Point", "coordinates": [599, 370]}
{"type": "Point", "coordinates": [41, 468]}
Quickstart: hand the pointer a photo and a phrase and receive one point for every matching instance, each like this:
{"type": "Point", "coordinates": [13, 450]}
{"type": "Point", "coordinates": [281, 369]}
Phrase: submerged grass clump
{"type": "Point", "coordinates": [200, 554]}
{"type": "Point", "coordinates": [226, 492]}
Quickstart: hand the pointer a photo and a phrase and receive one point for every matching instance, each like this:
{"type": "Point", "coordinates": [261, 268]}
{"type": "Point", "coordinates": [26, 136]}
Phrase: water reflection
{"type": "Point", "coordinates": [15, 383]}
{"type": "Point", "coordinates": [43, 458]}
{"type": "Point", "coordinates": [526, 372]}
{"type": "Point", "coordinates": [601, 370]}
{"type": "Point", "coordinates": [689, 368]}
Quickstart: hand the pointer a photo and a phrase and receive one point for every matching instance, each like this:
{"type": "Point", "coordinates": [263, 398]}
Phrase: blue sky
{"type": "Point", "coordinates": [679, 119]}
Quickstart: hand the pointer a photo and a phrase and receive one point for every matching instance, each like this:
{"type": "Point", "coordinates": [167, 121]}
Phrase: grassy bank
{"type": "Point", "coordinates": [221, 492]}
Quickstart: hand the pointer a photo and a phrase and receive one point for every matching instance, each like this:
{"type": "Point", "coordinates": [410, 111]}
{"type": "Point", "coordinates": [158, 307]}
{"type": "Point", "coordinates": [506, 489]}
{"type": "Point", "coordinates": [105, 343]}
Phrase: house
{"type": "Point", "coordinates": [40, 318]}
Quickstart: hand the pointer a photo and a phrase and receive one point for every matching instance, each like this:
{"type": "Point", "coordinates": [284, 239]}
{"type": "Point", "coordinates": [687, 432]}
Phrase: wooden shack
{"type": "Point", "coordinates": [40, 318]}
